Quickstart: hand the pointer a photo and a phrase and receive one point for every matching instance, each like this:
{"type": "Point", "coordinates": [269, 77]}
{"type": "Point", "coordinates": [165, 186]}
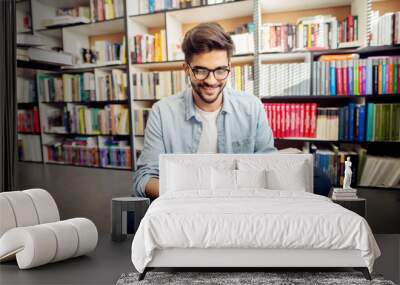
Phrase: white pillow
{"type": "Point", "coordinates": [251, 178]}
{"type": "Point", "coordinates": [183, 177]}
{"type": "Point", "coordinates": [292, 178]}
{"type": "Point", "coordinates": [223, 179]}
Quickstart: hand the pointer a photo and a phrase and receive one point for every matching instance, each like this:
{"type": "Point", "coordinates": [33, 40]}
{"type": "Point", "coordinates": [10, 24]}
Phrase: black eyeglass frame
{"type": "Point", "coordinates": [209, 71]}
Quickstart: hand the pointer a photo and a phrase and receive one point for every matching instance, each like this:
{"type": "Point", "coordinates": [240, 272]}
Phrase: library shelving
{"type": "Point", "coordinates": [304, 30]}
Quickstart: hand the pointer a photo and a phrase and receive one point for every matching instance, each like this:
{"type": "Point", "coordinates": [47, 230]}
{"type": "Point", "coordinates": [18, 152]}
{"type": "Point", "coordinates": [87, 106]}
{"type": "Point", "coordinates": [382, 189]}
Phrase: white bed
{"type": "Point", "coordinates": [215, 211]}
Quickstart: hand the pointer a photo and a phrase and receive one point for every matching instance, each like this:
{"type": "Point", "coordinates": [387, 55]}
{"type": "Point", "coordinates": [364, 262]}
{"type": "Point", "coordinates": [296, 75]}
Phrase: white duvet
{"type": "Point", "coordinates": [253, 218]}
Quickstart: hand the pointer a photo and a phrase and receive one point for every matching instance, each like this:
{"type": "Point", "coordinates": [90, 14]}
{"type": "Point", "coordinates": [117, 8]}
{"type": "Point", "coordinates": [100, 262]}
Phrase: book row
{"type": "Point", "coordinates": [331, 163]}
{"type": "Point", "coordinates": [383, 122]}
{"type": "Point", "coordinates": [78, 119]}
{"type": "Point", "coordinates": [374, 75]}
{"type": "Point", "coordinates": [87, 152]}
{"type": "Point", "coordinates": [105, 85]}
{"type": "Point", "coordinates": [292, 120]}
{"type": "Point", "coordinates": [381, 172]}
{"type": "Point", "coordinates": [101, 10]}
{"type": "Point", "coordinates": [368, 170]}
{"type": "Point", "coordinates": [155, 85]}
{"type": "Point", "coordinates": [310, 33]}
{"type": "Point", "coordinates": [385, 29]}
{"type": "Point", "coordinates": [28, 120]}
{"type": "Point", "coordinates": [141, 117]}
{"type": "Point", "coordinates": [149, 47]}
{"type": "Point", "coordinates": [353, 122]}
{"type": "Point", "coordinates": [151, 6]}
{"type": "Point", "coordinates": [285, 79]}
{"type": "Point", "coordinates": [241, 78]}
{"type": "Point", "coordinates": [107, 51]}
{"type": "Point", "coordinates": [29, 148]}
{"type": "Point", "coordinates": [26, 90]}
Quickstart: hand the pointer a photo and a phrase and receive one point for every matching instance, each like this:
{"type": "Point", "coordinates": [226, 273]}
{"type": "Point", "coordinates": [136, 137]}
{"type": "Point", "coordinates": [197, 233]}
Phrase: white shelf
{"type": "Point", "coordinates": [277, 57]}
{"type": "Point", "coordinates": [110, 64]}
{"type": "Point", "coordinates": [274, 6]}
{"type": "Point", "coordinates": [99, 28]}
{"type": "Point", "coordinates": [150, 20]}
{"type": "Point", "coordinates": [214, 12]}
{"type": "Point", "coordinates": [161, 64]}
{"type": "Point", "coordinates": [239, 59]}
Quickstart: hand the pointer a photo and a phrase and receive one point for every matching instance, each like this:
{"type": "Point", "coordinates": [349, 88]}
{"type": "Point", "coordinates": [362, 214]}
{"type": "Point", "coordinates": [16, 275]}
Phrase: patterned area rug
{"type": "Point", "coordinates": [269, 278]}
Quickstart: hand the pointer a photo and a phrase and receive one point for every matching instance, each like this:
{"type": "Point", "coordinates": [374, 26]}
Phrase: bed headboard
{"type": "Point", "coordinates": [235, 161]}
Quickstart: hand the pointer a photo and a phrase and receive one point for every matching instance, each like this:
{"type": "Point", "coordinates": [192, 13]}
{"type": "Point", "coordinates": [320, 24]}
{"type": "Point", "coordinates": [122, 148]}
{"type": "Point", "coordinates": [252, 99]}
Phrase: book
{"type": "Point", "coordinates": [285, 79]}
{"type": "Point", "coordinates": [29, 147]}
{"type": "Point", "coordinates": [381, 172]}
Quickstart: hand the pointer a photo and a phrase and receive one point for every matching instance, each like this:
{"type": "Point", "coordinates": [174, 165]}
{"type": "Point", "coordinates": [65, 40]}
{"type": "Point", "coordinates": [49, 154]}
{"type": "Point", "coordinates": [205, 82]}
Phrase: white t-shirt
{"type": "Point", "coordinates": [209, 136]}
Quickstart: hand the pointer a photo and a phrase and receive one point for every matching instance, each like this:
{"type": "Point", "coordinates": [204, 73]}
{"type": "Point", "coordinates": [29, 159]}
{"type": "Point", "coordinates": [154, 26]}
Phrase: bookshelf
{"type": "Point", "coordinates": [164, 28]}
{"type": "Point", "coordinates": [285, 12]}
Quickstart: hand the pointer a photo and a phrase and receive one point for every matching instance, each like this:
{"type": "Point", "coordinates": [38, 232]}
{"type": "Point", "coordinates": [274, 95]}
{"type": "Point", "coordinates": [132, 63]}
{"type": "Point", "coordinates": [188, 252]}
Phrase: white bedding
{"type": "Point", "coordinates": [252, 218]}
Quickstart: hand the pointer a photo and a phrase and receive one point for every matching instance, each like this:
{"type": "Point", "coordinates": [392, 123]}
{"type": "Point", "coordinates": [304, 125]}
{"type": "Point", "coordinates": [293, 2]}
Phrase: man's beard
{"type": "Point", "coordinates": [197, 90]}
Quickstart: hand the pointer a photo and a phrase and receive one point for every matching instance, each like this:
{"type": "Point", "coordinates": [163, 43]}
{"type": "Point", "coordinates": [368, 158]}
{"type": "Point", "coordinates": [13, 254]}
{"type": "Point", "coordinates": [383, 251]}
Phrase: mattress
{"type": "Point", "coordinates": [250, 219]}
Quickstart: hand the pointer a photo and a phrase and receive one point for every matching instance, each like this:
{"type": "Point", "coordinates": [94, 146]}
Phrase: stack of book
{"type": "Point", "coordinates": [50, 87]}
{"type": "Point", "coordinates": [114, 153]}
{"type": "Point", "coordinates": [242, 37]}
{"type": "Point", "coordinates": [348, 29]}
{"type": "Point", "coordinates": [28, 121]}
{"type": "Point", "coordinates": [383, 122]}
{"type": "Point", "coordinates": [331, 163]}
{"type": "Point", "coordinates": [141, 117]}
{"type": "Point", "coordinates": [352, 120]}
{"type": "Point", "coordinates": [347, 75]}
{"type": "Point", "coordinates": [106, 9]}
{"type": "Point", "coordinates": [44, 54]}
{"type": "Point", "coordinates": [26, 90]}
{"type": "Point", "coordinates": [381, 172]}
{"type": "Point", "coordinates": [285, 79]}
{"type": "Point", "coordinates": [109, 52]}
{"type": "Point", "coordinates": [151, 6]}
{"type": "Point", "coordinates": [156, 85]}
{"type": "Point", "coordinates": [28, 148]}
{"type": "Point", "coordinates": [78, 87]}
{"type": "Point", "coordinates": [149, 47]}
{"type": "Point", "coordinates": [327, 123]}
{"type": "Point", "coordinates": [278, 37]}
{"type": "Point", "coordinates": [385, 30]}
{"type": "Point", "coordinates": [111, 85]}
{"type": "Point", "coordinates": [241, 78]}
{"type": "Point", "coordinates": [112, 119]}
{"type": "Point", "coordinates": [78, 151]}
{"type": "Point", "coordinates": [344, 194]}
{"type": "Point", "coordinates": [292, 120]}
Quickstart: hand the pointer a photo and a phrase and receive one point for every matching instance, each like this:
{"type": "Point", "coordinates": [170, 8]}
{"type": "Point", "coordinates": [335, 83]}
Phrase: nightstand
{"type": "Point", "coordinates": [126, 214]}
{"type": "Point", "coordinates": [358, 205]}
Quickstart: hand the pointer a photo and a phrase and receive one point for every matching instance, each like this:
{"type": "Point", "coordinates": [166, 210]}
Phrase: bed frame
{"type": "Point", "coordinates": [246, 258]}
{"type": "Point", "coordinates": [242, 259]}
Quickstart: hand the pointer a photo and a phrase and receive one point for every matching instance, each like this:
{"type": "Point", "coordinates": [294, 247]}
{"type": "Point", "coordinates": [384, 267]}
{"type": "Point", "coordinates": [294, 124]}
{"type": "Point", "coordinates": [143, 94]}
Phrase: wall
{"type": "Point", "coordinates": [78, 191]}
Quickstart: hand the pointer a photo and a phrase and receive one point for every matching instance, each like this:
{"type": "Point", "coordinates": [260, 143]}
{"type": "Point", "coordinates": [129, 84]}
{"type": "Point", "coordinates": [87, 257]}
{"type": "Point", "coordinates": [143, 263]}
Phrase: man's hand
{"type": "Point", "coordinates": [152, 188]}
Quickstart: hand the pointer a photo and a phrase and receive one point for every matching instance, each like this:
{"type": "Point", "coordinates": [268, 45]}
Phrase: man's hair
{"type": "Point", "coordinates": [206, 37]}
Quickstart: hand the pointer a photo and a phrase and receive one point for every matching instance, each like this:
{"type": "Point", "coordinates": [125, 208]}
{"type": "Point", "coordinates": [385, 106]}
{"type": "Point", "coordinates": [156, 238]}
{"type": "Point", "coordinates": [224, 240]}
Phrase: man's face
{"type": "Point", "coordinates": [209, 88]}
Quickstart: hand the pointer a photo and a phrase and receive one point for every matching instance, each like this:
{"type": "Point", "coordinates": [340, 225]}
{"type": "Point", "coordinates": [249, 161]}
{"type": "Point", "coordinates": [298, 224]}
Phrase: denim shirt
{"type": "Point", "coordinates": [174, 126]}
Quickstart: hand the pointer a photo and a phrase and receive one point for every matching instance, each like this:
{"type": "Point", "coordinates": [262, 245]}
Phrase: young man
{"type": "Point", "coordinates": [206, 118]}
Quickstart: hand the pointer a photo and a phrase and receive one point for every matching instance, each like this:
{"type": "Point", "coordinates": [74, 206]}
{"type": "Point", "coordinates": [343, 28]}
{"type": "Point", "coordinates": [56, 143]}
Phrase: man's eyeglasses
{"type": "Point", "coordinates": [202, 73]}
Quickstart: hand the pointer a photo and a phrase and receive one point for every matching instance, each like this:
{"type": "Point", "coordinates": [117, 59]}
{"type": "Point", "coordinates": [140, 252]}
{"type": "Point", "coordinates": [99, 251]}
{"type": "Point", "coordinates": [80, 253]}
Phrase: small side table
{"type": "Point", "coordinates": [358, 205]}
{"type": "Point", "coordinates": [126, 214]}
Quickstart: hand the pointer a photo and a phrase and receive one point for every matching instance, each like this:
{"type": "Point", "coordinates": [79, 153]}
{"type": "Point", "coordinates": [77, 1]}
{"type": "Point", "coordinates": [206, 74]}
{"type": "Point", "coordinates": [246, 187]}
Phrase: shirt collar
{"type": "Point", "coordinates": [190, 107]}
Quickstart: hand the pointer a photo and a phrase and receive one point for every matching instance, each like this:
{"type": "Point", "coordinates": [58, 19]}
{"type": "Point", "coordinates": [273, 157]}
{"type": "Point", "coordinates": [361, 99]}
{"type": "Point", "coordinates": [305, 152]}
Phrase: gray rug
{"type": "Point", "coordinates": [270, 278]}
